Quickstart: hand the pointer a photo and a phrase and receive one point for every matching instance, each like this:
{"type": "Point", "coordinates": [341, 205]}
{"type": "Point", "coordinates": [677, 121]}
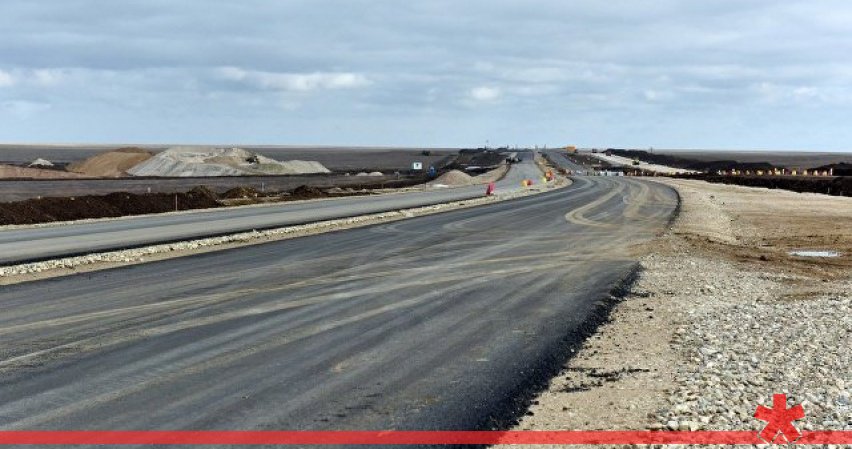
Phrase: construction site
{"type": "Point", "coordinates": [425, 224]}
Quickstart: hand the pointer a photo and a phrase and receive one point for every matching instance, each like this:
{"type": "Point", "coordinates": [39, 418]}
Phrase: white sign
{"type": "Point", "coordinates": [417, 166]}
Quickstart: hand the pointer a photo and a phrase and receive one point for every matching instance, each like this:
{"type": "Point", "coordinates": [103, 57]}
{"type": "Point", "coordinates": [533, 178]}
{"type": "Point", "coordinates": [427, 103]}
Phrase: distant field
{"type": "Point", "coordinates": [800, 159]}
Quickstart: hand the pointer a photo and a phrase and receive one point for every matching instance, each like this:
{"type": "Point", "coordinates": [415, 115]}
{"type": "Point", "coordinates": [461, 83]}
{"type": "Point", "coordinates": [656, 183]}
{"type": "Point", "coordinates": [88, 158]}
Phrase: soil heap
{"type": "Point", "coordinates": [110, 164]}
{"type": "Point", "coordinates": [453, 178]}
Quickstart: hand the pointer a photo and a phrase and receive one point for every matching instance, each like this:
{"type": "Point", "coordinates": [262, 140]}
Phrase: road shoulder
{"type": "Point", "coordinates": [713, 326]}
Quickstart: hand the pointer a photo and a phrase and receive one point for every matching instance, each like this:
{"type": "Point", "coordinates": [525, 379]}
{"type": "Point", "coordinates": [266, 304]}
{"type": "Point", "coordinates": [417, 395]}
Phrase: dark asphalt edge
{"type": "Point", "coordinates": [676, 212]}
{"type": "Point", "coordinates": [508, 413]}
{"type": "Point", "coordinates": [516, 405]}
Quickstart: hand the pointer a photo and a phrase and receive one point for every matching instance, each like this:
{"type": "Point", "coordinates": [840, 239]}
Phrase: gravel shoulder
{"type": "Point", "coordinates": [721, 318]}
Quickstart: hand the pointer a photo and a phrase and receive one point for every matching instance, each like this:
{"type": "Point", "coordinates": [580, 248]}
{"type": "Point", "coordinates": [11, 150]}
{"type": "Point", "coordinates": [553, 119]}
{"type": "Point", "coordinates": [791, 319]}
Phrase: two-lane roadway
{"type": "Point", "coordinates": [437, 322]}
{"type": "Point", "coordinates": [41, 243]}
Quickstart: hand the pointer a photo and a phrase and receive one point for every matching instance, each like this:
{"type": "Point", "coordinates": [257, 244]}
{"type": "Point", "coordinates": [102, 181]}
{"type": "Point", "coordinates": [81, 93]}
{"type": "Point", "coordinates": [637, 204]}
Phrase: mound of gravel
{"type": "Point", "coordinates": [110, 164]}
{"type": "Point", "coordinates": [200, 161]}
{"type": "Point", "coordinates": [40, 163]}
{"type": "Point", "coordinates": [453, 178]}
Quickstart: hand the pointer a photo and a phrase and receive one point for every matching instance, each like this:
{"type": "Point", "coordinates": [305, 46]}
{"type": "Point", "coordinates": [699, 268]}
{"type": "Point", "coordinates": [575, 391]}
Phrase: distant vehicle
{"type": "Point", "coordinates": [635, 161]}
{"type": "Point", "coordinates": [426, 153]}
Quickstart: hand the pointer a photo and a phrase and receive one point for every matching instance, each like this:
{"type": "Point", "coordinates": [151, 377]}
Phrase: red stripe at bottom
{"type": "Point", "coordinates": [405, 437]}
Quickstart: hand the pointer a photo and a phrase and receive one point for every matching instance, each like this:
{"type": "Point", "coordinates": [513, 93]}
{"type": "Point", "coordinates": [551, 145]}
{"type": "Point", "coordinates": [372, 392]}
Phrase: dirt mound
{"type": "Point", "coordinates": [453, 178]}
{"type": "Point", "coordinates": [200, 161]}
{"type": "Point", "coordinates": [240, 193]}
{"type": "Point", "coordinates": [110, 164]}
{"type": "Point", "coordinates": [113, 205]}
{"type": "Point", "coordinates": [12, 171]}
{"type": "Point", "coordinates": [307, 192]}
{"type": "Point", "coordinates": [202, 193]}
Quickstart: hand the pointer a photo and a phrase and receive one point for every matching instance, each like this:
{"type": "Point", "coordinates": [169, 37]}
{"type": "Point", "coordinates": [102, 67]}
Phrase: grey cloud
{"type": "Point", "coordinates": [449, 72]}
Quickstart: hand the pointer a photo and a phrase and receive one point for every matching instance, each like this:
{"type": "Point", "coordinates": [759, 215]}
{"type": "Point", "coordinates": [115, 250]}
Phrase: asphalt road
{"type": "Point", "coordinates": [558, 157]}
{"type": "Point", "coordinates": [31, 244]}
{"type": "Point", "coordinates": [437, 322]}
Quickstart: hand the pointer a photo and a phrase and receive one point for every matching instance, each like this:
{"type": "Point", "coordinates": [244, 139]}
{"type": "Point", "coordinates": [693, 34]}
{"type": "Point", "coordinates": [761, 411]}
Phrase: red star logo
{"type": "Point", "coordinates": [779, 419]}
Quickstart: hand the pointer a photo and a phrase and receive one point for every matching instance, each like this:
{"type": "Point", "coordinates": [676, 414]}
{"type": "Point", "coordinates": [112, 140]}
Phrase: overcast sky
{"type": "Point", "coordinates": [668, 74]}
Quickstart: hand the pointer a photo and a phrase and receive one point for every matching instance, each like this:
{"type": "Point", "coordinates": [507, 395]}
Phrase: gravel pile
{"type": "Point", "coordinates": [195, 161]}
{"type": "Point", "coordinates": [39, 162]}
{"type": "Point", "coordinates": [453, 178]}
{"type": "Point", "coordinates": [456, 178]}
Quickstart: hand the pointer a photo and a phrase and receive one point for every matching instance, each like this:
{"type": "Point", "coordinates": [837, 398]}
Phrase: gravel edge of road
{"type": "Point", "coordinates": [683, 350]}
{"type": "Point", "coordinates": [26, 272]}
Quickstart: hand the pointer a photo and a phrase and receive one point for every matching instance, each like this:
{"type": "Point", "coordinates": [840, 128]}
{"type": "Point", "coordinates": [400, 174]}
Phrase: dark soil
{"type": "Point", "coordinates": [240, 193]}
{"type": "Point", "coordinates": [588, 161]}
{"type": "Point", "coordinates": [478, 158]}
{"type": "Point", "coordinates": [112, 205]}
{"type": "Point", "coordinates": [840, 169]}
{"type": "Point", "coordinates": [119, 204]}
{"type": "Point", "coordinates": [308, 192]}
{"type": "Point", "coordinates": [837, 186]}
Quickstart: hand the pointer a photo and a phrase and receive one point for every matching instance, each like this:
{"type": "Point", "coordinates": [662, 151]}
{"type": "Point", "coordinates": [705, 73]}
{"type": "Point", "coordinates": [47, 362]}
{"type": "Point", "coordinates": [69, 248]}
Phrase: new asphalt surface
{"type": "Point", "coordinates": [437, 322]}
{"type": "Point", "coordinates": [560, 158]}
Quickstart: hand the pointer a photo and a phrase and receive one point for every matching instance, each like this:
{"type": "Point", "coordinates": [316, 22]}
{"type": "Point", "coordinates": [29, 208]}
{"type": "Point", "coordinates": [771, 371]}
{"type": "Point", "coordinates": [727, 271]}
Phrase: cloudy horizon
{"type": "Point", "coordinates": [673, 74]}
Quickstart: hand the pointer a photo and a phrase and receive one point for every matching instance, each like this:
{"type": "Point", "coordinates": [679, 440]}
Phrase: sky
{"type": "Point", "coordinates": [725, 74]}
